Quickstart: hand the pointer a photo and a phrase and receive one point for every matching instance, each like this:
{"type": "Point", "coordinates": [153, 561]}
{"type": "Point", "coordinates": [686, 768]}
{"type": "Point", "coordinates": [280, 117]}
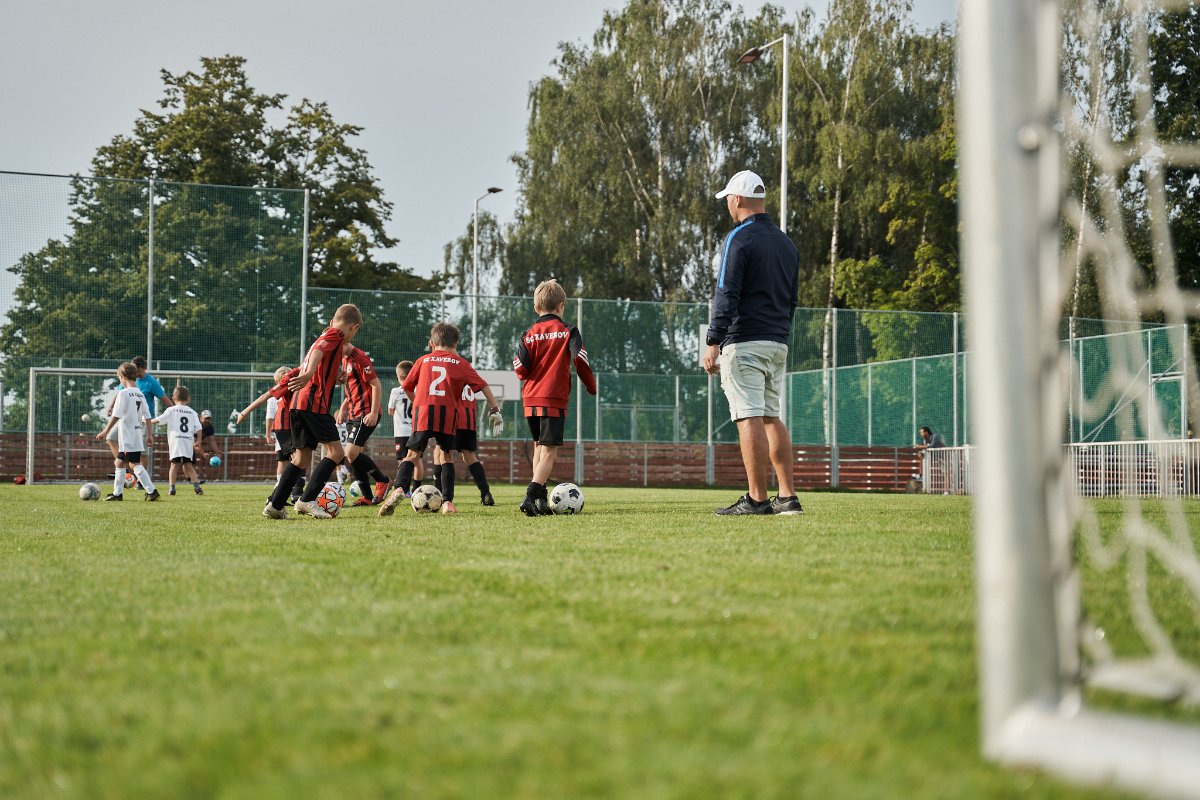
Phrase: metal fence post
{"type": "Point", "coordinates": [954, 382]}
{"type": "Point", "coordinates": [150, 281]}
{"type": "Point", "coordinates": [579, 407]}
{"type": "Point", "coordinates": [304, 282]}
{"type": "Point", "coordinates": [834, 452]}
{"type": "Point", "coordinates": [709, 476]}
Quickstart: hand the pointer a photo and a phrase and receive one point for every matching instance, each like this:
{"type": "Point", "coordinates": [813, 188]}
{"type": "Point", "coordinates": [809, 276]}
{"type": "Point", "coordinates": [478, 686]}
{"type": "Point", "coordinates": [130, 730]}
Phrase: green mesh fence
{"type": "Point", "coordinates": [227, 296]}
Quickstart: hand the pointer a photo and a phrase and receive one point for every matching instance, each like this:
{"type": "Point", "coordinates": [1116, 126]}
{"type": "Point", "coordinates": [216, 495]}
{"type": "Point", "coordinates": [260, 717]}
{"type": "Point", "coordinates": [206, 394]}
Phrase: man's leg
{"type": "Point", "coordinates": [779, 443]}
{"type": "Point", "coordinates": [752, 437]}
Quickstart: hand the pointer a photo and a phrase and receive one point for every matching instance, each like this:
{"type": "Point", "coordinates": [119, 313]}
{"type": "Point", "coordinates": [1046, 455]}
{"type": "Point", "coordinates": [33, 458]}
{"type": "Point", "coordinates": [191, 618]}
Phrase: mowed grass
{"type": "Point", "coordinates": [644, 649]}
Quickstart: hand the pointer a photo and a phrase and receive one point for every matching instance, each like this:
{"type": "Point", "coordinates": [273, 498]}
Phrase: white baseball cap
{"type": "Point", "coordinates": [205, 413]}
{"type": "Point", "coordinates": [744, 184]}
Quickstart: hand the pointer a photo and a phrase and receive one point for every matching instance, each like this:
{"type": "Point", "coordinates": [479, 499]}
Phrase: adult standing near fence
{"type": "Point", "coordinates": [747, 338]}
{"type": "Point", "coordinates": [149, 386]}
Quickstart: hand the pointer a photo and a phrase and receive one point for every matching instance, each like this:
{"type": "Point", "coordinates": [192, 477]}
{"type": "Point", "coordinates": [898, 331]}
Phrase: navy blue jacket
{"type": "Point", "coordinates": [756, 287]}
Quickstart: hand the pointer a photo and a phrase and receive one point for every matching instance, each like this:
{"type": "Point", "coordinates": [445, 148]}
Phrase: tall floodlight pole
{"type": "Point", "coordinates": [475, 276]}
{"type": "Point", "coordinates": [749, 57]}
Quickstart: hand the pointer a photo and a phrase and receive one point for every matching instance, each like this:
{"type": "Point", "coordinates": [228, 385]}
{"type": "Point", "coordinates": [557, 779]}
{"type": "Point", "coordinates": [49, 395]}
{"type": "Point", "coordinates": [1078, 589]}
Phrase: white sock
{"type": "Point", "coordinates": [119, 482]}
{"type": "Point", "coordinates": [143, 477]}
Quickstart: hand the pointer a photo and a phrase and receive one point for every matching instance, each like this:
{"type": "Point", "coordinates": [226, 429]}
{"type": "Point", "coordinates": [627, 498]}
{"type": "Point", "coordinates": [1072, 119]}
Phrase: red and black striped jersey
{"type": "Point", "coordinates": [468, 410]}
{"type": "Point", "coordinates": [545, 354]}
{"type": "Point", "coordinates": [282, 421]}
{"type": "Point", "coordinates": [436, 381]}
{"type": "Point", "coordinates": [315, 394]}
{"type": "Point", "coordinates": [360, 374]}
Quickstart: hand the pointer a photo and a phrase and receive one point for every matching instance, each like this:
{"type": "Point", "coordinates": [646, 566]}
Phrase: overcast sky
{"type": "Point", "coordinates": [439, 88]}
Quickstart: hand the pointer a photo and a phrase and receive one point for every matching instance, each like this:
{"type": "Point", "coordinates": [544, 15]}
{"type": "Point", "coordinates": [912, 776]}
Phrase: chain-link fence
{"type": "Point", "coordinates": [211, 278]}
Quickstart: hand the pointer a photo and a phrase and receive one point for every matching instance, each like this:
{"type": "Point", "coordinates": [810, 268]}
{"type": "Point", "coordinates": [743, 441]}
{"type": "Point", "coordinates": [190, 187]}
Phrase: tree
{"type": "Point", "coordinates": [625, 147]}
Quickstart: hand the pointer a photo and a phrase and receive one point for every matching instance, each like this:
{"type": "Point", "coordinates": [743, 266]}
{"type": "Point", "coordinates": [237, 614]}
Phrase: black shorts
{"type": "Point", "coordinates": [467, 439]}
{"type": "Point", "coordinates": [284, 437]}
{"type": "Point", "coordinates": [310, 429]}
{"type": "Point", "coordinates": [130, 458]}
{"type": "Point", "coordinates": [181, 460]}
{"type": "Point", "coordinates": [357, 433]}
{"type": "Point", "coordinates": [420, 440]}
{"type": "Point", "coordinates": [401, 447]}
{"type": "Point", "coordinates": [547, 431]}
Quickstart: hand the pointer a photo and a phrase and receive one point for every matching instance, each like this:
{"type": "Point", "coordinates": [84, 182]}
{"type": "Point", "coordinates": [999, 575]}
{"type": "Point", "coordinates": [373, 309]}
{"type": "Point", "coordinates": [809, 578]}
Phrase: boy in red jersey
{"type": "Point", "coordinates": [466, 442]}
{"type": "Point", "coordinates": [279, 397]}
{"type": "Point", "coordinates": [435, 383]}
{"type": "Point", "coordinates": [311, 422]}
{"type": "Point", "coordinates": [362, 407]}
{"type": "Point", "coordinates": [545, 354]}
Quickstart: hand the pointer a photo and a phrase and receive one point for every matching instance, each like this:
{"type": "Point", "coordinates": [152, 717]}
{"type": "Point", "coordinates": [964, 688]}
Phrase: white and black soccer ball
{"type": "Point", "coordinates": [331, 498]}
{"type": "Point", "coordinates": [89, 491]}
{"type": "Point", "coordinates": [426, 498]}
{"type": "Point", "coordinates": [566, 498]}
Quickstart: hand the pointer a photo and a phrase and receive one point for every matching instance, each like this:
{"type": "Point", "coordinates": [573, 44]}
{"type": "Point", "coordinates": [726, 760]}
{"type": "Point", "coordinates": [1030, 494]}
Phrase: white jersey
{"type": "Point", "coordinates": [182, 425]}
{"type": "Point", "coordinates": [401, 414]}
{"type": "Point", "coordinates": [272, 411]}
{"type": "Point", "coordinates": [131, 413]}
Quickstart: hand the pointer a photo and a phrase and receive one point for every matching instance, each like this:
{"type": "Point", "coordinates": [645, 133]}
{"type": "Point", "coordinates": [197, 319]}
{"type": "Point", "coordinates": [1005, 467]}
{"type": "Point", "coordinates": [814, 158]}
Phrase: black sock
{"type": "Point", "coordinates": [480, 478]}
{"type": "Point", "coordinates": [283, 488]}
{"type": "Point", "coordinates": [448, 481]}
{"type": "Point", "coordinates": [320, 476]}
{"type": "Point", "coordinates": [536, 490]}
{"type": "Point", "coordinates": [404, 475]}
{"type": "Point", "coordinates": [437, 478]}
{"type": "Point", "coordinates": [361, 477]}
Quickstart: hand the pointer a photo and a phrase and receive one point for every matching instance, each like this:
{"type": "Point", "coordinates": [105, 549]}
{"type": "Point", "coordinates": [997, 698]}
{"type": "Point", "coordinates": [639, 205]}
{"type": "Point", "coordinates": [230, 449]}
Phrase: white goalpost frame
{"type": "Point", "coordinates": [1032, 708]}
{"type": "Point", "coordinates": [35, 372]}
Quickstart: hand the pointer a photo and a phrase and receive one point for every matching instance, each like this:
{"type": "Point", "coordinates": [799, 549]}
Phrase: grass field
{"type": "Point", "coordinates": [644, 649]}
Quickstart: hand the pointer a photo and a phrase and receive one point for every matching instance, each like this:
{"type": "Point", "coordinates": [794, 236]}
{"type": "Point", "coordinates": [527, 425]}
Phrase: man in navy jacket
{"type": "Point", "coordinates": [747, 342]}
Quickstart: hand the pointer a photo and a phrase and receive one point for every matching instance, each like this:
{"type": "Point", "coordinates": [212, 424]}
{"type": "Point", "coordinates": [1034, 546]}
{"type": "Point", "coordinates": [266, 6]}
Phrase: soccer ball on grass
{"type": "Point", "coordinates": [89, 491]}
{"type": "Point", "coordinates": [130, 480]}
{"type": "Point", "coordinates": [566, 498]}
{"type": "Point", "coordinates": [331, 499]}
{"type": "Point", "coordinates": [426, 498]}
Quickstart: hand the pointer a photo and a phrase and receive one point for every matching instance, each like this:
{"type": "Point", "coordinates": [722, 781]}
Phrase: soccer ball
{"type": "Point", "coordinates": [567, 498]}
{"type": "Point", "coordinates": [130, 480]}
{"type": "Point", "coordinates": [89, 491]}
{"type": "Point", "coordinates": [426, 498]}
{"type": "Point", "coordinates": [215, 461]}
{"type": "Point", "coordinates": [354, 490]}
{"type": "Point", "coordinates": [331, 499]}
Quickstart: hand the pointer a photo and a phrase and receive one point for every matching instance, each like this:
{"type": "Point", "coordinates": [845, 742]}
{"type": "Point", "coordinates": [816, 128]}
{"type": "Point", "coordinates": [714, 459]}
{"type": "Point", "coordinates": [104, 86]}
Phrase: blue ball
{"type": "Point", "coordinates": [215, 461]}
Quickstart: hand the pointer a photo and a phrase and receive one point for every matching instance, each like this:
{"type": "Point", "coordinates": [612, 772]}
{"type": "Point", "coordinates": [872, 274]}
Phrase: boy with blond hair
{"type": "Point", "coordinates": [545, 354]}
{"type": "Point", "coordinates": [129, 415]}
{"type": "Point", "coordinates": [183, 432]}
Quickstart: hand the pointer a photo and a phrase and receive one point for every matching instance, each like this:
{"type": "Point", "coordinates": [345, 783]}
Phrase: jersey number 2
{"type": "Point", "coordinates": [439, 377]}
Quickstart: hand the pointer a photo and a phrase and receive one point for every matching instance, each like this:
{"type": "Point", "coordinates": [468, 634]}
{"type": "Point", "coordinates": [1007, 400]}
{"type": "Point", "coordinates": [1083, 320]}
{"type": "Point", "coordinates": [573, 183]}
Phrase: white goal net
{"type": "Point", "coordinates": [1089, 609]}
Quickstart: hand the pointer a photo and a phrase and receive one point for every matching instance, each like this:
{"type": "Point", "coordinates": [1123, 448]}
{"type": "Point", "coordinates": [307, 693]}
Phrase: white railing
{"type": "Point", "coordinates": [1166, 468]}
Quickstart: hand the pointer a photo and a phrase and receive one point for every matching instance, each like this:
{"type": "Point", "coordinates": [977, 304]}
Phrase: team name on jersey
{"type": "Point", "coordinates": [537, 337]}
{"type": "Point", "coordinates": [443, 360]}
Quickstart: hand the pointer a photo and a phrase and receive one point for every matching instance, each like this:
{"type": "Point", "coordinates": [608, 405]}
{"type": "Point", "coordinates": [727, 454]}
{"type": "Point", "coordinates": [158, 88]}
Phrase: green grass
{"type": "Point", "coordinates": [644, 649]}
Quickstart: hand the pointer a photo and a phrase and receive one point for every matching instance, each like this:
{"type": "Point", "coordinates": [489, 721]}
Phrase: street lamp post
{"type": "Point", "coordinates": [749, 57]}
{"type": "Point", "coordinates": [475, 276]}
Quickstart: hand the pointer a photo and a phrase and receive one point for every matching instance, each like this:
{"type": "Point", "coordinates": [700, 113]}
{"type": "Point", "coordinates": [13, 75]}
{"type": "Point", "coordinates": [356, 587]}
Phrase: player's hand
{"type": "Point", "coordinates": [496, 419]}
{"type": "Point", "coordinates": [300, 381]}
{"type": "Point", "coordinates": [241, 417]}
{"type": "Point", "coordinates": [710, 362]}
{"type": "Point", "coordinates": [371, 419]}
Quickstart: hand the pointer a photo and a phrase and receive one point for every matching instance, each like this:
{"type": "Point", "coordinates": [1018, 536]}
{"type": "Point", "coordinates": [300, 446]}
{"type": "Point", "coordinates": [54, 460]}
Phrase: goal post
{"type": "Point", "coordinates": [246, 387]}
{"type": "Point", "coordinates": [1034, 673]}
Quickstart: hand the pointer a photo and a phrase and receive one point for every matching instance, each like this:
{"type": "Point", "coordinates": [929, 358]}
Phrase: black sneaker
{"type": "Point", "coordinates": [745, 505]}
{"type": "Point", "coordinates": [543, 507]}
{"type": "Point", "coordinates": [529, 507]}
{"type": "Point", "coordinates": [786, 506]}
{"type": "Point", "coordinates": [152, 496]}
{"type": "Point", "coordinates": [487, 499]}
{"type": "Point", "coordinates": [110, 496]}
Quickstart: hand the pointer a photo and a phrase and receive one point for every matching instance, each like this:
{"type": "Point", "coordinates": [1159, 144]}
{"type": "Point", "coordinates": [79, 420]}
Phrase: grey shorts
{"type": "Point", "coordinates": [752, 376]}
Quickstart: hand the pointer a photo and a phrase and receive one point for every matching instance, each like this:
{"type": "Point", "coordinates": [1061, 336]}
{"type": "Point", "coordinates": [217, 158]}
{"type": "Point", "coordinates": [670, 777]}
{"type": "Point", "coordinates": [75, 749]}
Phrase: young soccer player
{"type": "Point", "coordinates": [312, 424]}
{"type": "Point", "coordinates": [129, 415]}
{"type": "Point", "coordinates": [279, 395]}
{"type": "Point", "coordinates": [466, 443]}
{"type": "Point", "coordinates": [183, 431]}
{"type": "Point", "coordinates": [434, 385]}
{"type": "Point", "coordinates": [400, 407]}
{"type": "Point", "coordinates": [545, 354]}
{"type": "Point", "coordinates": [364, 393]}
